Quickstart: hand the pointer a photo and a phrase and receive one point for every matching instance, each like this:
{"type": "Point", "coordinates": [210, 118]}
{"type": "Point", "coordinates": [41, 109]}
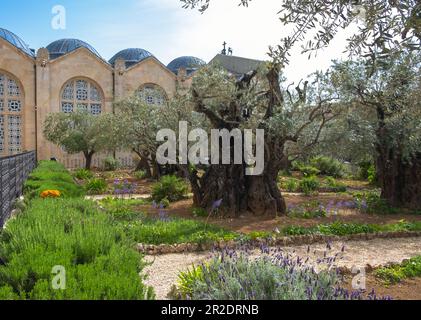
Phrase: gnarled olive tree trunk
{"type": "Point", "coordinates": [240, 193]}
{"type": "Point", "coordinates": [399, 178]}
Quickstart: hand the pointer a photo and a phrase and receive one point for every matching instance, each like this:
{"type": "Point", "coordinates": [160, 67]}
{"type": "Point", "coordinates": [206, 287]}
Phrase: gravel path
{"type": "Point", "coordinates": [162, 274]}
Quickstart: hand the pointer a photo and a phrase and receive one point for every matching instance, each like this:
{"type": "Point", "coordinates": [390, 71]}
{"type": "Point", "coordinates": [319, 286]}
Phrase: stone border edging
{"type": "Point", "coordinates": [151, 249]}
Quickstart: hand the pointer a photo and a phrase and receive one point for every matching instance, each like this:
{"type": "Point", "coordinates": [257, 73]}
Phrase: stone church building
{"type": "Point", "coordinates": [69, 74]}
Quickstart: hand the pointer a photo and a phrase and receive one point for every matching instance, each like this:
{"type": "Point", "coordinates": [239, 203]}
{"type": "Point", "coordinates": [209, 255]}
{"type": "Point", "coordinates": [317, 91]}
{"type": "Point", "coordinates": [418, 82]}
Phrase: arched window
{"type": "Point", "coordinates": [80, 94]}
{"type": "Point", "coordinates": [152, 94]}
{"type": "Point", "coordinates": [11, 107]}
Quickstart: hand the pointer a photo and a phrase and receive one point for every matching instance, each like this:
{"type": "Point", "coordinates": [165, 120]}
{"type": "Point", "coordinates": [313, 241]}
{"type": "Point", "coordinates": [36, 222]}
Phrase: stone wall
{"type": "Point", "coordinates": [42, 81]}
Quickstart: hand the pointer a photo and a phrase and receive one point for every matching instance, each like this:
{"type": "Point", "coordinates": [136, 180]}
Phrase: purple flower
{"type": "Point", "coordinates": [216, 204]}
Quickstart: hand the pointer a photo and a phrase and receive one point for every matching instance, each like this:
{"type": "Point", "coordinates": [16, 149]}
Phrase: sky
{"type": "Point", "coordinates": [164, 28]}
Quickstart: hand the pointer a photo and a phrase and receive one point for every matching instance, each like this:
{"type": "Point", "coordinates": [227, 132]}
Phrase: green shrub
{"type": "Point", "coordinates": [187, 279]}
{"type": "Point", "coordinates": [170, 187]}
{"type": "Point", "coordinates": [96, 186]}
{"type": "Point", "coordinates": [291, 185]}
{"type": "Point", "coordinates": [51, 175]}
{"type": "Point", "coordinates": [73, 233]}
{"type": "Point", "coordinates": [309, 171]}
{"type": "Point", "coordinates": [123, 209]}
{"type": "Point", "coordinates": [328, 166]}
{"type": "Point", "coordinates": [7, 293]}
{"type": "Point", "coordinates": [363, 168]}
{"type": "Point", "coordinates": [165, 203]}
{"type": "Point", "coordinates": [394, 274]}
{"type": "Point", "coordinates": [200, 212]}
{"type": "Point", "coordinates": [140, 175]}
{"type": "Point", "coordinates": [335, 186]}
{"type": "Point", "coordinates": [371, 202]}
{"type": "Point", "coordinates": [156, 231]}
{"type": "Point", "coordinates": [372, 175]}
{"type": "Point", "coordinates": [309, 210]}
{"type": "Point", "coordinates": [83, 174]}
{"type": "Point", "coordinates": [309, 185]}
{"type": "Point", "coordinates": [111, 164]}
{"type": "Point", "coordinates": [340, 228]}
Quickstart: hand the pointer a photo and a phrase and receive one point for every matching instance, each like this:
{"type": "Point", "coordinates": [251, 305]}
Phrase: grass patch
{"type": "Point", "coordinates": [342, 229]}
{"type": "Point", "coordinates": [395, 274]}
{"type": "Point", "coordinates": [174, 231]}
{"type": "Point", "coordinates": [99, 261]}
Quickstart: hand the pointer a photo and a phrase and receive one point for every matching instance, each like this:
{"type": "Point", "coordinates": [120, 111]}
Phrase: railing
{"type": "Point", "coordinates": [14, 171]}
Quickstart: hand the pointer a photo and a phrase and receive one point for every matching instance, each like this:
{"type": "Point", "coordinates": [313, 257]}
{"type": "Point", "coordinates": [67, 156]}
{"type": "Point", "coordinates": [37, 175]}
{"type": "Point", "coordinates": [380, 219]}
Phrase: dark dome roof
{"type": "Point", "coordinates": [63, 46]}
{"type": "Point", "coordinates": [16, 41]}
{"type": "Point", "coordinates": [191, 64]}
{"type": "Point", "coordinates": [131, 56]}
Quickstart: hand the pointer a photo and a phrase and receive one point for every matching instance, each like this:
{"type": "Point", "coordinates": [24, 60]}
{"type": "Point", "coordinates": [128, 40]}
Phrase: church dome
{"type": "Point", "coordinates": [63, 46]}
{"type": "Point", "coordinates": [16, 41]}
{"type": "Point", "coordinates": [131, 56]}
{"type": "Point", "coordinates": [191, 64]}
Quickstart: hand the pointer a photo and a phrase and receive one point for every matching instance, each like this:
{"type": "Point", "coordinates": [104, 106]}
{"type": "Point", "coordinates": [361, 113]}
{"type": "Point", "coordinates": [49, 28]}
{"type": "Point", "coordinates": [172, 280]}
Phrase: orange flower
{"type": "Point", "coordinates": [50, 194]}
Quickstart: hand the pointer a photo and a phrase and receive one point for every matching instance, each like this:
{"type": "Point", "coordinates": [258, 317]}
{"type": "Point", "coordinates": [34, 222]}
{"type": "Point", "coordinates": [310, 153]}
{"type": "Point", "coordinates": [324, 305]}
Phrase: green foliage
{"type": "Point", "coordinates": [111, 164]}
{"type": "Point", "coordinates": [200, 212]}
{"type": "Point", "coordinates": [328, 166]}
{"type": "Point", "coordinates": [7, 293]}
{"type": "Point", "coordinates": [81, 131]}
{"type": "Point", "coordinates": [165, 203]}
{"type": "Point", "coordinates": [395, 274]}
{"type": "Point", "coordinates": [309, 171]}
{"type": "Point", "coordinates": [83, 174]}
{"type": "Point", "coordinates": [170, 187]}
{"type": "Point", "coordinates": [335, 186]}
{"type": "Point", "coordinates": [291, 185]}
{"type": "Point", "coordinates": [123, 209]}
{"type": "Point", "coordinates": [187, 279]}
{"type": "Point", "coordinates": [51, 175]}
{"type": "Point", "coordinates": [309, 185]}
{"type": "Point", "coordinates": [309, 210]}
{"type": "Point", "coordinates": [340, 228]}
{"type": "Point", "coordinates": [96, 186]}
{"type": "Point", "coordinates": [239, 276]}
{"type": "Point", "coordinates": [73, 233]}
{"type": "Point", "coordinates": [140, 175]}
{"type": "Point", "coordinates": [371, 202]}
{"type": "Point", "coordinates": [156, 231]}
{"type": "Point", "coordinates": [372, 175]}
{"type": "Point", "coordinates": [363, 169]}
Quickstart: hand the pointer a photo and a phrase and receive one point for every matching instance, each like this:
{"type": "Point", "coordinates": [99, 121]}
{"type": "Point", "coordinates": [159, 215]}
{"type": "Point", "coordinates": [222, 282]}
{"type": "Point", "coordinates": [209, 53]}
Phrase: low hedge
{"type": "Point", "coordinates": [51, 175]}
{"type": "Point", "coordinates": [99, 260]}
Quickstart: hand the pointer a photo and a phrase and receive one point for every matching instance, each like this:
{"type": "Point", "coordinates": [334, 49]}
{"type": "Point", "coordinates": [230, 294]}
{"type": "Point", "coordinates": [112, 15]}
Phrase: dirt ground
{"type": "Point", "coordinates": [249, 223]}
{"type": "Point", "coordinates": [409, 289]}
{"type": "Point", "coordinates": [164, 270]}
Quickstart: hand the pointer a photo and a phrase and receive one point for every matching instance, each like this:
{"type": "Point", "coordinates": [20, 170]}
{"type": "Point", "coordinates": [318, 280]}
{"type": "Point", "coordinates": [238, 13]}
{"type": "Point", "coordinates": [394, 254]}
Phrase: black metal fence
{"type": "Point", "coordinates": [14, 171]}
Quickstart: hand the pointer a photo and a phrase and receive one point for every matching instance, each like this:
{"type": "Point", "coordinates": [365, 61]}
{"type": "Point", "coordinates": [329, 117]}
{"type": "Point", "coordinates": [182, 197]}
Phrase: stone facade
{"type": "Point", "coordinates": [42, 81]}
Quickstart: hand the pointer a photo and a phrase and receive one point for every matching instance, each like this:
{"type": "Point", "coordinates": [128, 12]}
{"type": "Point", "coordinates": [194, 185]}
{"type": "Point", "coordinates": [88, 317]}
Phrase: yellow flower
{"type": "Point", "coordinates": [50, 194]}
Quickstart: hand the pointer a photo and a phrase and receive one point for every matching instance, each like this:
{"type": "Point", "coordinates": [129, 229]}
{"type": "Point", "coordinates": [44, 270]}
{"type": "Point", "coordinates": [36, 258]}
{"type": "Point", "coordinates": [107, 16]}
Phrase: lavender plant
{"type": "Point", "coordinates": [273, 275]}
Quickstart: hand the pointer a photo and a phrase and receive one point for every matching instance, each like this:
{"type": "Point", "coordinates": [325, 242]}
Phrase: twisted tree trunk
{"type": "Point", "coordinates": [399, 178]}
{"type": "Point", "coordinates": [258, 195]}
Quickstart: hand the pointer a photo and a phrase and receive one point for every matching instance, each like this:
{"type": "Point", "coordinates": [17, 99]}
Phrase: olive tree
{"type": "Point", "coordinates": [389, 99]}
{"type": "Point", "coordinates": [257, 100]}
{"type": "Point", "coordinates": [81, 132]}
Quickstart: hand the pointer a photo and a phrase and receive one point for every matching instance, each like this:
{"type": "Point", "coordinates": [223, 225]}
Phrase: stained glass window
{"type": "Point", "coordinates": [81, 95]}
{"type": "Point", "coordinates": [11, 108]}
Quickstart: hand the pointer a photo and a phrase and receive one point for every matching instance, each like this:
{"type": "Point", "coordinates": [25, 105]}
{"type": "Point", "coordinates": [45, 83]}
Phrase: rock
{"type": "Point", "coordinates": [369, 268]}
